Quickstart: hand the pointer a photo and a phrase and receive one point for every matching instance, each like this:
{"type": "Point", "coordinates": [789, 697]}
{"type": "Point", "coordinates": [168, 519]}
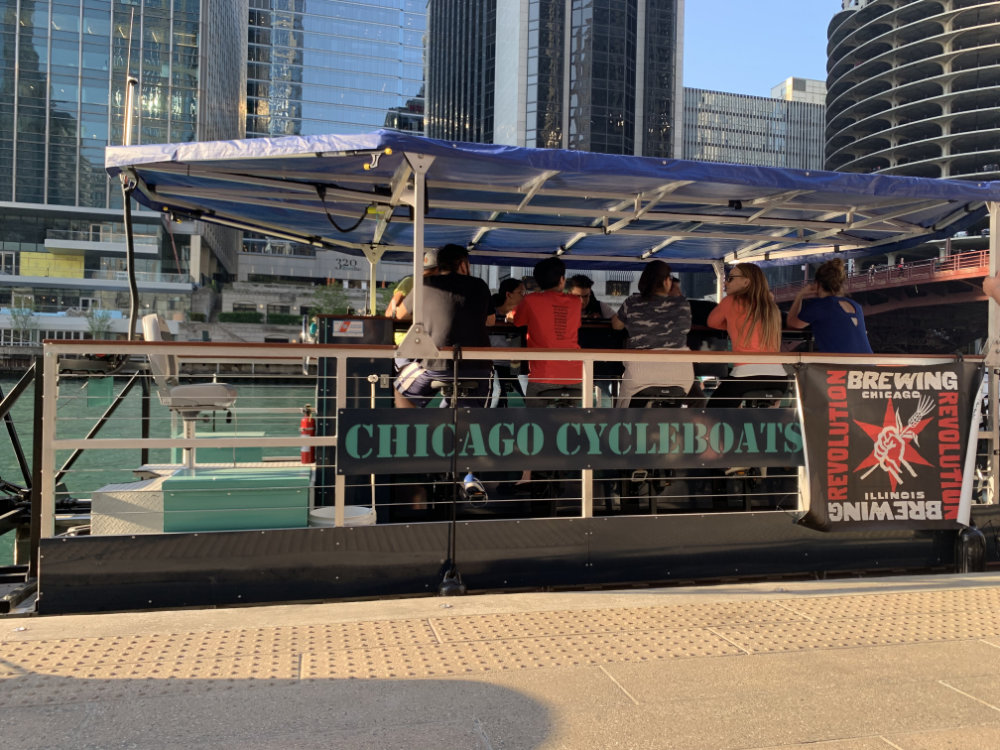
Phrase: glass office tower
{"type": "Point", "coordinates": [597, 75]}
{"type": "Point", "coordinates": [327, 66]}
{"type": "Point", "coordinates": [63, 68]}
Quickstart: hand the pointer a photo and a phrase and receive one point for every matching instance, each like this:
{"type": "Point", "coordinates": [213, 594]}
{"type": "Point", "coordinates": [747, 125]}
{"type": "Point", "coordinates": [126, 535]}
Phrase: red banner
{"type": "Point", "coordinates": [889, 446]}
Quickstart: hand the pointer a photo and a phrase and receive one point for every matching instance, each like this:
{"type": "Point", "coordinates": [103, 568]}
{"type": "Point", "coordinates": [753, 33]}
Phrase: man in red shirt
{"type": "Point", "coordinates": [553, 322]}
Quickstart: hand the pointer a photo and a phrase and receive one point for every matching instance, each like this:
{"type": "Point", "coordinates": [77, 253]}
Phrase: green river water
{"type": "Point", "coordinates": [76, 414]}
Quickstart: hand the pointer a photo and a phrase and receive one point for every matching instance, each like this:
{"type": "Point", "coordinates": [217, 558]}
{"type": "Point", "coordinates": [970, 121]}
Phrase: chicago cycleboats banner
{"type": "Point", "coordinates": [386, 441]}
{"type": "Point", "coordinates": [889, 446]}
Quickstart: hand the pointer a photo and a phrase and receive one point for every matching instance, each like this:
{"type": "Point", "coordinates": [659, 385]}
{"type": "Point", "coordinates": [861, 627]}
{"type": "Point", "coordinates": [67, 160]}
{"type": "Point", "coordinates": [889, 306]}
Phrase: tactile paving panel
{"type": "Point", "coordinates": [473, 628]}
{"type": "Point", "coordinates": [516, 653]}
{"type": "Point", "coordinates": [52, 670]}
{"type": "Point", "coordinates": [878, 605]}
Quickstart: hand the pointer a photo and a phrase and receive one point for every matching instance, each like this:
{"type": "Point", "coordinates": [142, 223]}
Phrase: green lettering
{"type": "Point", "coordinates": [793, 438]}
{"type": "Point", "coordinates": [748, 440]}
{"type": "Point", "coordinates": [562, 439]}
{"type": "Point", "coordinates": [502, 444]}
{"type": "Point", "coordinates": [721, 437]}
{"type": "Point", "coordinates": [442, 440]}
{"type": "Point", "coordinates": [593, 432]}
{"type": "Point", "coordinates": [420, 440]}
{"type": "Point", "coordinates": [530, 439]}
{"type": "Point", "coordinates": [670, 437]}
{"type": "Point", "coordinates": [391, 440]}
{"type": "Point", "coordinates": [645, 443]}
{"type": "Point", "coordinates": [694, 437]}
{"type": "Point", "coordinates": [351, 442]}
{"type": "Point", "coordinates": [770, 437]}
{"type": "Point", "coordinates": [473, 444]}
{"type": "Point", "coordinates": [615, 439]}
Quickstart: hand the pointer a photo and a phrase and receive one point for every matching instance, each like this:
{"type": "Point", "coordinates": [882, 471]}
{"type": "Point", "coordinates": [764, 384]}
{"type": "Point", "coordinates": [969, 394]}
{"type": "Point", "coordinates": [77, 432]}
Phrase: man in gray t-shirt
{"type": "Point", "coordinates": [457, 310]}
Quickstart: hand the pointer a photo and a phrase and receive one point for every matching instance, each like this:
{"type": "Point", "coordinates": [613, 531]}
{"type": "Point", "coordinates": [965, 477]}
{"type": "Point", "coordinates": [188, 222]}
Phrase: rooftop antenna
{"type": "Point", "coordinates": [128, 185]}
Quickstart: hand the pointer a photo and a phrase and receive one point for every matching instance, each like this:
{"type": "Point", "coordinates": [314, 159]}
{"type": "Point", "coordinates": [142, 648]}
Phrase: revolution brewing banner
{"type": "Point", "coordinates": [889, 446]}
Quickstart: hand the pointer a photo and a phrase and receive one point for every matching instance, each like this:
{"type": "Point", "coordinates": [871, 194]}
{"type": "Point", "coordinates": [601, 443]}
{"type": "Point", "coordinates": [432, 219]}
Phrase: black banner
{"type": "Point", "coordinates": [889, 446]}
{"type": "Point", "coordinates": [378, 441]}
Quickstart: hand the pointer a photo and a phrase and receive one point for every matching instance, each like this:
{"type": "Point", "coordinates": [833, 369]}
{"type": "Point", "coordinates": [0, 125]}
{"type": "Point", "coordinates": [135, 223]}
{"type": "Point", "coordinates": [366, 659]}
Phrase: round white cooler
{"type": "Point", "coordinates": [354, 515]}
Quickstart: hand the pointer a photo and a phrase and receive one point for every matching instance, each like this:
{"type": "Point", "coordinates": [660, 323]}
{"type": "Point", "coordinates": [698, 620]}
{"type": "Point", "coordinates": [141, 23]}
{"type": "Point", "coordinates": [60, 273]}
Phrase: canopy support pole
{"type": "Point", "coordinates": [720, 274]}
{"type": "Point", "coordinates": [417, 344]}
{"type": "Point", "coordinates": [993, 353]}
{"type": "Point", "coordinates": [374, 254]}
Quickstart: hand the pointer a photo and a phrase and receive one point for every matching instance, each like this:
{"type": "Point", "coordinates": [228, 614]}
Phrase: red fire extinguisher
{"type": "Point", "coordinates": [307, 428]}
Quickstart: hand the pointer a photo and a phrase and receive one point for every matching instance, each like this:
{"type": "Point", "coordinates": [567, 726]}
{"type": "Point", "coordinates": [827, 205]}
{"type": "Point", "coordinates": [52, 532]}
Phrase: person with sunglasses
{"type": "Point", "coordinates": [749, 314]}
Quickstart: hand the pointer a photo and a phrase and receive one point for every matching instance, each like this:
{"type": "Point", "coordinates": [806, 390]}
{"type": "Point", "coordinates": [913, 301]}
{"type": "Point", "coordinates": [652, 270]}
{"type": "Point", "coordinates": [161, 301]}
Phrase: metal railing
{"type": "Point", "coordinates": [116, 238]}
{"type": "Point", "coordinates": [272, 386]}
{"type": "Point", "coordinates": [959, 265]}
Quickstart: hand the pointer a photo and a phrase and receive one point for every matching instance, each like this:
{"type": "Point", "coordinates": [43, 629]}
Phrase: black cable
{"type": "Point", "coordinates": [321, 192]}
{"type": "Point", "coordinates": [451, 583]}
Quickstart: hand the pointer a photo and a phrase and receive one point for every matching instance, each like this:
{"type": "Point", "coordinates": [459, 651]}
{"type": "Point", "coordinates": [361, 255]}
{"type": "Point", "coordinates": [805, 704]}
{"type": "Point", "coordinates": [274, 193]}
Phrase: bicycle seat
{"type": "Point", "coordinates": [658, 396]}
{"type": "Point", "coordinates": [763, 398]}
{"type": "Point", "coordinates": [465, 387]}
{"type": "Point", "coordinates": [560, 396]}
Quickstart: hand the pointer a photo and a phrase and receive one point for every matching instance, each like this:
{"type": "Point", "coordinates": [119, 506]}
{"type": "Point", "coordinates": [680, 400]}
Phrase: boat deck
{"type": "Point", "coordinates": [903, 662]}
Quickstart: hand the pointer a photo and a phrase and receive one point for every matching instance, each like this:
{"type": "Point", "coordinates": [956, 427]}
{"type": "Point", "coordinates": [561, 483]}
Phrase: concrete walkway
{"type": "Point", "coordinates": [855, 664]}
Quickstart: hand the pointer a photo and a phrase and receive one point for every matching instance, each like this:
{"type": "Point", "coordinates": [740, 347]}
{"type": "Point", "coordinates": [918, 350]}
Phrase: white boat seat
{"type": "Point", "coordinates": [188, 400]}
{"type": "Point", "coordinates": [198, 397]}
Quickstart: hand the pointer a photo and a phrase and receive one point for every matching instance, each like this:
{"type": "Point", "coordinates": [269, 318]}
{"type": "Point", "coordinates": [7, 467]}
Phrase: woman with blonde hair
{"type": "Point", "coordinates": [837, 322]}
{"type": "Point", "coordinates": [750, 316]}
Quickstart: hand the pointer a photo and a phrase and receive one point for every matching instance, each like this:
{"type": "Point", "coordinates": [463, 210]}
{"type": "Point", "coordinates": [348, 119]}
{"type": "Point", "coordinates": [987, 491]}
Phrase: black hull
{"type": "Point", "coordinates": [95, 574]}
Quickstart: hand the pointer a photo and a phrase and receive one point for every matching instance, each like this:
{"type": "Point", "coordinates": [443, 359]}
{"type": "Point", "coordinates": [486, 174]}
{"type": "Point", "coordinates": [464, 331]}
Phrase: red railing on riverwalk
{"type": "Point", "coordinates": [959, 266]}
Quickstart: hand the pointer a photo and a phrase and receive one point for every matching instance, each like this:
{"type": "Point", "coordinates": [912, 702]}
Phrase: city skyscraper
{"type": "Point", "coordinates": [63, 70]}
{"type": "Point", "coordinates": [914, 88]}
{"type": "Point", "coordinates": [794, 89]}
{"type": "Point", "coordinates": [600, 75]}
{"type": "Point", "coordinates": [760, 130]}
{"type": "Point", "coordinates": [328, 66]}
{"type": "Point", "coordinates": [324, 66]}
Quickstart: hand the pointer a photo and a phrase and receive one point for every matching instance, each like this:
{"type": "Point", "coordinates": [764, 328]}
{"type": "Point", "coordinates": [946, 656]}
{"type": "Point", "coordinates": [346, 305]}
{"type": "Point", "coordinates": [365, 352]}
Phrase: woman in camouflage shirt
{"type": "Point", "coordinates": [655, 319]}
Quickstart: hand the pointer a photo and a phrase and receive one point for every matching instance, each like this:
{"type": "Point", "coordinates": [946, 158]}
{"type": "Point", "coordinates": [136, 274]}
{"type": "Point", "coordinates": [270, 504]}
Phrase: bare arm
{"type": "Point", "coordinates": [390, 309]}
{"type": "Point", "coordinates": [402, 313]}
{"type": "Point", "coordinates": [793, 320]}
{"type": "Point", "coordinates": [616, 323]}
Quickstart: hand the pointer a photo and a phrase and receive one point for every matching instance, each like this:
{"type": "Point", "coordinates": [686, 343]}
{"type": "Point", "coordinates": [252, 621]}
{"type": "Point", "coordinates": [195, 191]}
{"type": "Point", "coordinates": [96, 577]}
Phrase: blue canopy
{"type": "Point", "coordinates": [357, 194]}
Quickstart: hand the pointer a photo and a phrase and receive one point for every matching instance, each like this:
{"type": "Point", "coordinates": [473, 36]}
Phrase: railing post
{"type": "Point", "coordinates": [587, 475]}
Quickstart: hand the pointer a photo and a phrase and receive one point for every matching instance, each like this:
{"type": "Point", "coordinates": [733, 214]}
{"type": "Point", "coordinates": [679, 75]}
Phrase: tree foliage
{"type": "Point", "coordinates": [98, 323]}
{"type": "Point", "coordinates": [331, 299]}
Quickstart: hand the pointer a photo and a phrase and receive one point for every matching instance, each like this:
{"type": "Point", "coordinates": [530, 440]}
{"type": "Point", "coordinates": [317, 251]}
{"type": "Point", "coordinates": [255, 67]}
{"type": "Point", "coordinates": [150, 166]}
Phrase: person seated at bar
{"type": "Point", "coordinates": [838, 324]}
{"type": "Point", "coordinates": [405, 286]}
{"type": "Point", "coordinates": [655, 318]}
{"type": "Point", "coordinates": [457, 311]}
{"type": "Point", "coordinates": [508, 297]}
{"type": "Point", "coordinates": [395, 310]}
{"type": "Point", "coordinates": [593, 309]}
{"type": "Point", "coordinates": [749, 314]}
{"type": "Point", "coordinates": [553, 322]}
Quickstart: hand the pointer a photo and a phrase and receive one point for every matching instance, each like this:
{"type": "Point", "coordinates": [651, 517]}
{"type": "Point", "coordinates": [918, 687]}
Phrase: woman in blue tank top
{"type": "Point", "coordinates": [837, 322]}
